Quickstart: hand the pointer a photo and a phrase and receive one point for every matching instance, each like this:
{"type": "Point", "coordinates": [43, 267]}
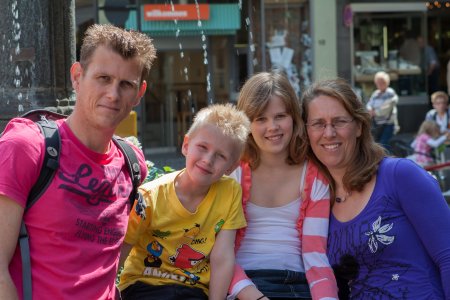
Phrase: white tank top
{"type": "Point", "coordinates": [271, 238]}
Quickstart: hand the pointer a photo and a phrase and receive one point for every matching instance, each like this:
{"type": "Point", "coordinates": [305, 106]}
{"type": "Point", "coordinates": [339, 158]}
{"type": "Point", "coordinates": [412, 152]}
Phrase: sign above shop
{"type": "Point", "coordinates": [185, 12]}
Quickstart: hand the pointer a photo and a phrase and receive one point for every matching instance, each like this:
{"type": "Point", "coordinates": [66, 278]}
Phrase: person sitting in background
{"type": "Point", "coordinates": [382, 106]}
{"type": "Point", "coordinates": [389, 235]}
{"type": "Point", "coordinates": [440, 112]}
{"type": "Point", "coordinates": [181, 232]}
{"type": "Point", "coordinates": [428, 138]}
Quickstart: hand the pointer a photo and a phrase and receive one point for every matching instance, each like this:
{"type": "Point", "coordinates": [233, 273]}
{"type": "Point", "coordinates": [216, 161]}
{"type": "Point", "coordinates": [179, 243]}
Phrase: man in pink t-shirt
{"type": "Point", "coordinates": [78, 224]}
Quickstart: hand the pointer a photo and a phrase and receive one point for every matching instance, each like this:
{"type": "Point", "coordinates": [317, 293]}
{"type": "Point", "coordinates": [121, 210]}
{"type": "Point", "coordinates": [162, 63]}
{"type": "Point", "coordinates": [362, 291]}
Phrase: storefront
{"type": "Point", "coordinates": [383, 38]}
{"type": "Point", "coordinates": [280, 39]}
{"type": "Point", "coordinates": [206, 50]}
{"type": "Point", "coordinates": [373, 36]}
{"type": "Point", "coordinates": [195, 66]}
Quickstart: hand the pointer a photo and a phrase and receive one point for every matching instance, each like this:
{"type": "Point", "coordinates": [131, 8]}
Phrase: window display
{"type": "Point", "coordinates": [388, 41]}
{"type": "Point", "coordinates": [284, 32]}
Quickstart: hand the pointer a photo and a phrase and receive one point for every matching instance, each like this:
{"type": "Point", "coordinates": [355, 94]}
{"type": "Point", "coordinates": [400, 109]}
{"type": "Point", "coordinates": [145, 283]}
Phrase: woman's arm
{"type": "Point", "coordinates": [432, 224]}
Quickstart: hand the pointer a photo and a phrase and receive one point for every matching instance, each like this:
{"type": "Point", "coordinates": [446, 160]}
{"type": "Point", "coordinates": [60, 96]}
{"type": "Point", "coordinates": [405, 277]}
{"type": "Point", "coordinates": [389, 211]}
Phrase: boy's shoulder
{"type": "Point", "coordinates": [161, 181]}
{"type": "Point", "coordinates": [227, 182]}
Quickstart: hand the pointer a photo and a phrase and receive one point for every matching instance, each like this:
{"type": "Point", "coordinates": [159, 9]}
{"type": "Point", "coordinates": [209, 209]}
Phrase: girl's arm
{"type": "Point", "coordinates": [242, 287]}
{"type": "Point", "coordinates": [436, 142]}
{"type": "Point", "coordinates": [319, 273]}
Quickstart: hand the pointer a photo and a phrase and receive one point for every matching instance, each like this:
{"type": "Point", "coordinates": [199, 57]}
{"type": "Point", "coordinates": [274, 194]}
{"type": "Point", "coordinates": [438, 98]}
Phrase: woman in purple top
{"type": "Point", "coordinates": [389, 232]}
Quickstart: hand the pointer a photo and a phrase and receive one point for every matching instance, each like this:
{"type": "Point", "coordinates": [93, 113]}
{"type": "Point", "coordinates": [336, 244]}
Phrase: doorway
{"type": "Point", "coordinates": [177, 90]}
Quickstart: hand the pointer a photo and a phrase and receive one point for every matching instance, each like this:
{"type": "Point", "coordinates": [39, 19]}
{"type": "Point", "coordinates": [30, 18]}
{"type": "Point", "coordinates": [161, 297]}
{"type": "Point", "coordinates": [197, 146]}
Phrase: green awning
{"type": "Point", "coordinates": [224, 19]}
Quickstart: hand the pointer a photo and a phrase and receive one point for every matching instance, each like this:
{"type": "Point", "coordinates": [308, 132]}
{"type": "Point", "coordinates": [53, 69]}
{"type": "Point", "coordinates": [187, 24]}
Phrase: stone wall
{"type": "Point", "coordinates": [37, 48]}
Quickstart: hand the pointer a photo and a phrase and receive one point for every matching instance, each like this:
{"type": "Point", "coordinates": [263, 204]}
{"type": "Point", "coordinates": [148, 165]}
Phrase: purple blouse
{"type": "Point", "coordinates": [401, 239]}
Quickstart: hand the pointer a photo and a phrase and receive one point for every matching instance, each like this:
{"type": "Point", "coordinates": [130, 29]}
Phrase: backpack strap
{"type": "Point", "coordinates": [24, 245]}
{"type": "Point", "coordinates": [52, 142]}
{"type": "Point", "coordinates": [133, 167]}
{"type": "Point", "coordinates": [50, 164]}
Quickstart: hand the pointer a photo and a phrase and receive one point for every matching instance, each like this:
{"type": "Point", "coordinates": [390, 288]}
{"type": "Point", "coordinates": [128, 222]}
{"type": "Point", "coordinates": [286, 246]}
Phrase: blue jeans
{"type": "Point", "coordinates": [280, 284]}
{"type": "Point", "coordinates": [140, 291]}
{"type": "Point", "coordinates": [384, 135]}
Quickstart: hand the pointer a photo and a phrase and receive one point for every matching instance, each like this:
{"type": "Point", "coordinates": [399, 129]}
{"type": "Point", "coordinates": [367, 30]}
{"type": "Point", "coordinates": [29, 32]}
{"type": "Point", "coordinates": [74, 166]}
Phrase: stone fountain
{"type": "Point", "coordinates": [37, 48]}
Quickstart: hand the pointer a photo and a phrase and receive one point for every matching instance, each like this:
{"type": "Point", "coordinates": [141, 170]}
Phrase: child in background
{"type": "Point", "coordinates": [427, 139]}
{"type": "Point", "coordinates": [181, 232]}
{"type": "Point", "coordinates": [440, 112]}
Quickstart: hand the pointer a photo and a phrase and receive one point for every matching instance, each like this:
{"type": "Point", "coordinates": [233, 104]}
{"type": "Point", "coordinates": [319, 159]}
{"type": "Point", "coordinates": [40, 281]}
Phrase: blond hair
{"type": "Point", "coordinates": [429, 127]}
{"type": "Point", "coordinates": [439, 95]}
{"type": "Point", "coordinates": [128, 44]}
{"type": "Point", "coordinates": [232, 122]}
{"type": "Point", "coordinates": [384, 76]}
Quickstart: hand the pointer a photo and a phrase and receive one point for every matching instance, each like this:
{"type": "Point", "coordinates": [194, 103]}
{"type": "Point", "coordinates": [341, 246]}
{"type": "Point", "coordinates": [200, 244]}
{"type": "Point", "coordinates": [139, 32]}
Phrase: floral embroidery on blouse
{"type": "Point", "coordinates": [378, 234]}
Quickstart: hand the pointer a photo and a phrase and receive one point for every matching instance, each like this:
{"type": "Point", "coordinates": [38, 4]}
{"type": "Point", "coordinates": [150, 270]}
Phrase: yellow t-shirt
{"type": "Point", "coordinates": [171, 244]}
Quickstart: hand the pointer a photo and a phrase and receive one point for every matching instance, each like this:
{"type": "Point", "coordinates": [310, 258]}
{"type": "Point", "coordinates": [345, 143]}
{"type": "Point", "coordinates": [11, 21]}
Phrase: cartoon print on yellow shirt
{"type": "Point", "coordinates": [161, 234]}
{"type": "Point", "coordinates": [155, 250]}
{"type": "Point", "coordinates": [192, 232]}
{"type": "Point", "coordinates": [219, 225]}
{"type": "Point", "coordinates": [188, 261]}
{"type": "Point", "coordinates": [187, 258]}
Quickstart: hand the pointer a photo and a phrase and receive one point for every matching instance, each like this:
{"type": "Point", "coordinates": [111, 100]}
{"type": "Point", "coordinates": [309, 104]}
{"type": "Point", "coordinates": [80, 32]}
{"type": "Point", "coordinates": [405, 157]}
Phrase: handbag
{"type": "Point", "coordinates": [377, 129]}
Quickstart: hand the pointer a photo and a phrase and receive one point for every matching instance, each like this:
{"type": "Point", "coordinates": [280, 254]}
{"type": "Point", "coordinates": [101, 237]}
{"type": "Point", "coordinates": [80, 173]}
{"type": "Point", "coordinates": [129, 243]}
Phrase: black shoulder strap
{"type": "Point", "coordinates": [132, 165]}
{"type": "Point", "coordinates": [50, 164]}
{"type": "Point", "coordinates": [51, 159]}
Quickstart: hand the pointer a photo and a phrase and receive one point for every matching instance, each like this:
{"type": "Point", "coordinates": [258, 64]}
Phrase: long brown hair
{"type": "Point", "coordinates": [367, 154]}
{"type": "Point", "coordinates": [253, 100]}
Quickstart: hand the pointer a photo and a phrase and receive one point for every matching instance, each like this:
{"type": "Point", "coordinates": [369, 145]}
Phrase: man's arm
{"type": "Point", "coordinates": [124, 251]}
{"type": "Point", "coordinates": [10, 219]}
{"type": "Point", "coordinates": [222, 264]}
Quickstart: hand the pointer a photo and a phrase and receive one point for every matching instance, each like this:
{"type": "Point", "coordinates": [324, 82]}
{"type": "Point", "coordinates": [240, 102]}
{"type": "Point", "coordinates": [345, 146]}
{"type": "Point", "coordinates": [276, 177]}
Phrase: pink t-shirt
{"type": "Point", "coordinates": [423, 150]}
{"type": "Point", "coordinates": [77, 226]}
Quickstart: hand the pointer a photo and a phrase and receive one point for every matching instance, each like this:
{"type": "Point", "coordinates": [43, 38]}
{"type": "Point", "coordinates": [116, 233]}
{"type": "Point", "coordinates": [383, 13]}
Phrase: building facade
{"type": "Point", "coordinates": [207, 49]}
{"type": "Point", "coordinates": [382, 35]}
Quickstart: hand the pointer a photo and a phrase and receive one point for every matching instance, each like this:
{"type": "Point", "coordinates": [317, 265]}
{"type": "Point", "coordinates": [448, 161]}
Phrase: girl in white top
{"type": "Point", "coordinates": [285, 200]}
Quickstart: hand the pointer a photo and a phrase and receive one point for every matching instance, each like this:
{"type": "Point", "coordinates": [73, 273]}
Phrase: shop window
{"type": "Point", "coordinates": [387, 41]}
{"type": "Point", "coordinates": [284, 30]}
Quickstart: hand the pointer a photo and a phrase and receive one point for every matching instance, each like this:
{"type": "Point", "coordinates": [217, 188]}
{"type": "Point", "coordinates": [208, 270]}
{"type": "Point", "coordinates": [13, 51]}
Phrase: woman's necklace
{"type": "Point", "coordinates": [342, 199]}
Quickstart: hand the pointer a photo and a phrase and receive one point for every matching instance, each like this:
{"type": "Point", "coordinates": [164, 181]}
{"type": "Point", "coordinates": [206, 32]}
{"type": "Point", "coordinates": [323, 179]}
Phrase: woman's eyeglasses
{"type": "Point", "coordinates": [337, 124]}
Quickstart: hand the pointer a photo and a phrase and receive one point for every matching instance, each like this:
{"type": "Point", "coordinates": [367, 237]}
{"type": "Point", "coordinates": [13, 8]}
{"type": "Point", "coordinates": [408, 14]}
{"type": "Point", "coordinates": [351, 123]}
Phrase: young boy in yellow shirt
{"type": "Point", "coordinates": [181, 232]}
